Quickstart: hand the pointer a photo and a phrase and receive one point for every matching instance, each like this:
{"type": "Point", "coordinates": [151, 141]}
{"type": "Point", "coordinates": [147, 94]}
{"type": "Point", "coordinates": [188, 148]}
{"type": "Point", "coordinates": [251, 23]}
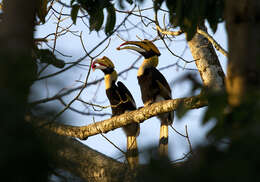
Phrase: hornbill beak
{"type": "Point", "coordinates": [144, 47]}
{"type": "Point", "coordinates": [102, 63]}
{"type": "Point", "coordinates": [136, 46]}
{"type": "Point", "coordinates": [93, 66]}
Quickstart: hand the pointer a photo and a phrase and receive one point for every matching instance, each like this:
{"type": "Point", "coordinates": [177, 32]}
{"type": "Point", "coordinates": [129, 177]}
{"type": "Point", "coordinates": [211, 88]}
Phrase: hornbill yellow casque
{"type": "Point", "coordinates": [153, 84]}
{"type": "Point", "coordinates": [121, 101]}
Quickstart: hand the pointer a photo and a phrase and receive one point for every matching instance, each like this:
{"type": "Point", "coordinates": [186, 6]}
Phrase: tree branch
{"type": "Point", "coordinates": [166, 32]}
{"type": "Point", "coordinates": [213, 42]}
{"type": "Point", "coordinates": [207, 62]}
{"type": "Point", "coordinates": [73, 156]}
{"type": "Point", "coordinates": [138, 116]}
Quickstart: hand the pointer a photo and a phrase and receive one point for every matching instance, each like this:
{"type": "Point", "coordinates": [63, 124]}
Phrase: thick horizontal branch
{"type": "Point", "coordinates": [138, 116]}
{"type": "Point", "coordinates": [80, 160]}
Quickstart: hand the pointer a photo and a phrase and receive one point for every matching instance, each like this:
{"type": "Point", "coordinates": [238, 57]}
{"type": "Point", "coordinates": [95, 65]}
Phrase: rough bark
{"type": "Point", "coordinates": [243, 27]}
{"type": "Point", "coordinates": [137, 116]}
{"type": "Point", "coordinates": [73, 156]}
{"type": "Point", "coordinates": [207, 61]}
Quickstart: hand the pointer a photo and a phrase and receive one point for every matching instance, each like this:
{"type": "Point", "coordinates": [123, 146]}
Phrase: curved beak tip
{"type": "Point", "coordinates": [93, 66]}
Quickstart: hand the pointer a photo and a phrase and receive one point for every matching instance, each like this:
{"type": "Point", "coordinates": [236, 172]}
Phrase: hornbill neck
{"type": "Point", "coordinates": [147, 63]}
{"type": "Point", "coordinates": [110, 79]}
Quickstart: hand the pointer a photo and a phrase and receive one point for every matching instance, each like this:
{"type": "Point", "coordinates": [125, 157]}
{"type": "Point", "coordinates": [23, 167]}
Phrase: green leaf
{"type": "Point", "coordinates": [217, 102]}
{"type": "Point", "coordinates": [157, 4]}
{"type": "Point", "coordinates": [46, 56]}
{"type": "Point", "coordinates": [96, 20]}
{"type": "Point", "coordinates": [129, 1]}
{"type": "Point", "coordinates": [42, 10]}
{"type": "Point", "coordinates": [121, 5]}
{"type": "Point", "coordinates": [111, 19]}
{"type": "Point", "coordinates": [190, 31]}
{"type": "Point", "coordinates": [74, 13]}
{"type": "Point", "coordinates": [71, 2]}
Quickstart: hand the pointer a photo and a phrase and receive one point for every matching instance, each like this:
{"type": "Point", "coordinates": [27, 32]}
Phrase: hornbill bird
{"type": "Point", "coordinates": [121, 101]}
{"type": "Point", "coordinates": [153, 84]}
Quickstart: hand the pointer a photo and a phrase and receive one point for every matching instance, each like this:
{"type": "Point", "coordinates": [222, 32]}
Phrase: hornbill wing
{"type": "Point", "coordinates": [165, 89]}
{"type": "Point", "coordinates": [131, 130]}
{"type": "Point", "coordinates": [128, 94]}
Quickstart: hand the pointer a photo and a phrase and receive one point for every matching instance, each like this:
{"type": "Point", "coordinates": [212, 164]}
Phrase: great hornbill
{"type": "Point", "coordinates": [153, 84]}
{"type": "Point", "coordinates": [121, 101]}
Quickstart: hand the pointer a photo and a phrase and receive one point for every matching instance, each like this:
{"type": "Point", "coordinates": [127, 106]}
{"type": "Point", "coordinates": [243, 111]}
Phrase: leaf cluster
{"type": "Point", "coordinates": [188, 14]}
{"type": "Point", "coordinates": [42, 10]}
{"type": "Point", "coordinates": [121, 2]}
{"type": "Point", "coordinates": [95, 10]}
{"type": "Point", "coordinates": [46, 56]}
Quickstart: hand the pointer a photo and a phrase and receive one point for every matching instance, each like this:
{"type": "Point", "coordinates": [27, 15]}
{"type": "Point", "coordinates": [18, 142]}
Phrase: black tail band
{"type": "Point", "coordinates": [163, 141]}
{"type": "Point", "coordinates": [132, 153]}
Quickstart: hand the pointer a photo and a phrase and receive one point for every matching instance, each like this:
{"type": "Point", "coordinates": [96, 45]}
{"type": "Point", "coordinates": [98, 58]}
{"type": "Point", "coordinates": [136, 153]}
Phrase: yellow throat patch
{"type": "Point", "coordinates": [148, 63]}
{"type": "Point", "coordinates": [109, 78]}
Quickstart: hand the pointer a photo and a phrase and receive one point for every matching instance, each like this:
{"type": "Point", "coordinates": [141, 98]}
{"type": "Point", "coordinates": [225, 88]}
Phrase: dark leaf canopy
{"type": "Point", "coordinates": [188, 14]}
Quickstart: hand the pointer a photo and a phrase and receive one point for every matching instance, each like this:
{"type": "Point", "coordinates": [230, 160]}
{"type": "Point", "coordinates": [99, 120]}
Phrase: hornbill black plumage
{"type": "Point", "coordinates": [121, 101]}
{"type": "Point", "coordinates": [153, 84]}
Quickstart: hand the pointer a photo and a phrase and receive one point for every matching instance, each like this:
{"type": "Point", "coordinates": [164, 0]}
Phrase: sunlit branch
{"type": "Point", "coordinates": [137, 116]}
{"type": "Point", "coordinates": [213, 42]}
{"type": "Point", "coordinates": [166, 32]}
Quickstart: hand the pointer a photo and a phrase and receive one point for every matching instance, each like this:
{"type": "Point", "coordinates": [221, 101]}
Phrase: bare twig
{"type": "Point", "coordinates": [188, 139]}
{"type": "Point", "coordinates": [56, 32]}
{"type": "Point", "coordinates": [186, 61]}
{"type": "Point", "coordinates": [77, 96]}
{"type": "Point", "coordinates": [182, 158]}
{"type": "Point", "coordinates": [93, 105]}
{"type": "Point", "coordinates": [138, 15]}
{"type": "Point", "coordinates": [59, 94]}
{"type": "Point", "coordinates": [92, 50]}
{"type": "Point", "coordinates": [178, 131]}
{"type": "Point", "coordinates": [83, 113]}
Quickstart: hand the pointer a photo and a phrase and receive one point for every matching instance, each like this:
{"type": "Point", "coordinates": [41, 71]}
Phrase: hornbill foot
{"type": "Point", "coordinates": [148, 103]}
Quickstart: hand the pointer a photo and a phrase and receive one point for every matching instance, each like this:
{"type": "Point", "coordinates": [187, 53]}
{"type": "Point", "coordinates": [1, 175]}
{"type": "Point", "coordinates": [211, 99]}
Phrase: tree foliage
{"type": "Point", "coordinates": [95, 10]}
{"type": "Point", "coordinates": [189, 14]}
